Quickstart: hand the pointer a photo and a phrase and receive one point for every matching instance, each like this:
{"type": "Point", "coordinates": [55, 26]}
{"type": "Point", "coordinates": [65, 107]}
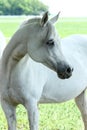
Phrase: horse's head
{"type": "Point", "coordinates": [45, 45]}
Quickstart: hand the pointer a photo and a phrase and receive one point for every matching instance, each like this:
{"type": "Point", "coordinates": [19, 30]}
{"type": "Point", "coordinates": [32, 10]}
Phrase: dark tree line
{"type": "Point", "coordinates": [20, 7]}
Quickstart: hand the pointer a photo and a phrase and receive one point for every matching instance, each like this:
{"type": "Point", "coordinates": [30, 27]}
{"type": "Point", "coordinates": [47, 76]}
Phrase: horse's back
{"type": "Point", "coordinates": [75, 46]}
{"type": "Point", "coordinates": [76, 42]}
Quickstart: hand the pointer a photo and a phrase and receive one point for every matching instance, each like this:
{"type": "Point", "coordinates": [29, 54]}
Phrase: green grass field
{"type": "Point", "coordinates": [63, 116]}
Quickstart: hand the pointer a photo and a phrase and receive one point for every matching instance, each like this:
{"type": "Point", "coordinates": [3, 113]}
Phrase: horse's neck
{"type": "Point", "coordinates": [13, 53]}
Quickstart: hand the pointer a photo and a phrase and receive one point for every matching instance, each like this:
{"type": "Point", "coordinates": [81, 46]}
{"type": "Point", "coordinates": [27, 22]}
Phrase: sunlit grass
{"type": "Point", "coordinates": [71, 26]}
{"type": "Point", "coordinates": [63, 116]}
{"type": "Point", "coordinates": [9, 25]}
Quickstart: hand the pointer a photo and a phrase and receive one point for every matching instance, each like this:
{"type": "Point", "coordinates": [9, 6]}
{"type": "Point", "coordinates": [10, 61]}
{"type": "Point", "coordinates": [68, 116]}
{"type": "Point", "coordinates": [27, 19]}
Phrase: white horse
{"type": "Point", "coordinates": [22, 80]}
{"type": "Point", "coordinates": [28, 82]}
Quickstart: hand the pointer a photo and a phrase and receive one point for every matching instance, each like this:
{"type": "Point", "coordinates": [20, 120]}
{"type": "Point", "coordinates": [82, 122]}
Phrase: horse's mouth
{"type": "Point", "coordinates": [64, 75]}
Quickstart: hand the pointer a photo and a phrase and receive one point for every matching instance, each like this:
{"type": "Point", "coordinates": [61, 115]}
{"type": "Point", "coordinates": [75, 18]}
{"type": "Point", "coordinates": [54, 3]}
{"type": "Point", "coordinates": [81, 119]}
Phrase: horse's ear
{"type": "Point", "coordinates": [44, 19]}
{"type": "Point", "coordinates": [54, 19]}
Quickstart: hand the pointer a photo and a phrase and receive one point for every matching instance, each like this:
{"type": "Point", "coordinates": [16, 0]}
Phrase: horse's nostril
{"type": "Point", "coordinates": [69, 70]}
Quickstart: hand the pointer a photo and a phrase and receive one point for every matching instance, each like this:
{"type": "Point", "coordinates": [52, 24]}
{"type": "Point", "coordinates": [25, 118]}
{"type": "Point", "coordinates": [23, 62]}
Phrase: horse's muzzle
{"type": "Point", "coordinates": [64, 72]}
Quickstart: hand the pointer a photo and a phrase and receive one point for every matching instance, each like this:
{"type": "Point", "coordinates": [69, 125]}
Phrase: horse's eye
{"type": "Point", "coordinates": [50, 42]}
